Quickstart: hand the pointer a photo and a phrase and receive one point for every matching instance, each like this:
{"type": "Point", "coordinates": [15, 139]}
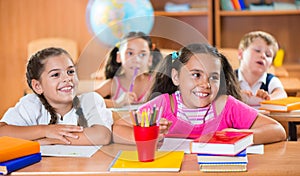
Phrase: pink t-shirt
{"type": "Point", "coordinates": [235, 114]}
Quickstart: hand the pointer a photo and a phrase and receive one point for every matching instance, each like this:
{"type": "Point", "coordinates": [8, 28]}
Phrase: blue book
{"type": "Point", "coordinates": [241, 154]}
{"type": "Point", "coordinates": [18, 163]}
{"type": "Point", "coordinates": [242, 4]}
{"type": "Point", "coordinates": [240, 158]}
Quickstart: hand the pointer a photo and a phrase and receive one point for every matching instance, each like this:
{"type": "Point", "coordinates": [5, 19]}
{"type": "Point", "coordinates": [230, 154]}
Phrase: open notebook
{"type": "Point", "coordinates": [69, 150]}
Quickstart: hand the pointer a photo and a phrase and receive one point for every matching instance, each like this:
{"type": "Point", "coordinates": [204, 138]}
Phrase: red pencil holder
{"type": "Point", "coordinates": [146, 141]}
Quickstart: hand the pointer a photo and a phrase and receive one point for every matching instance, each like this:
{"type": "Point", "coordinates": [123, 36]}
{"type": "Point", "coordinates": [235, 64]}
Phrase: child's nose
{"type": "Point", "coordinates": [138, 58]}
{"type": "Point", "coordinates": [204, 83]}
{"type": "Point", "coordinates": [67, 78]}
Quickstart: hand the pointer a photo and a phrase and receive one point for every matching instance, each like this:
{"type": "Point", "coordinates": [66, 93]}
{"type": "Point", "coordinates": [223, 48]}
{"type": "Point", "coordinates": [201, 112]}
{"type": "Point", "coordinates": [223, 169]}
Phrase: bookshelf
{"type": "Point", "coordinates": [200, 17]}
{"type": "Point", "coordinates": [230, 26]}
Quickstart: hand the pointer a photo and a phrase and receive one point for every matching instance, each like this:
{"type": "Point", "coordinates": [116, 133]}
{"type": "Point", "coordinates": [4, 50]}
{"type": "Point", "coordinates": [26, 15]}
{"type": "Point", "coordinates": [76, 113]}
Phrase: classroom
{"type": "Point", "coordinates": [26, 26]}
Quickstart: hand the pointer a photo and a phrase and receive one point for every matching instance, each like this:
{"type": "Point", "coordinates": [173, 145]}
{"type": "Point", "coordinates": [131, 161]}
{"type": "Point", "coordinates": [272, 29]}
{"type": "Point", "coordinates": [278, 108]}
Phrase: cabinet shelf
{"type": "Point", "coordinates": [231, 26]}
{"type": "Point", "coordinates": [199, 17]}
{"type": "Point", "coordinates": [259, 13]}
{"type": "Point", "coordinates": [179, 14]}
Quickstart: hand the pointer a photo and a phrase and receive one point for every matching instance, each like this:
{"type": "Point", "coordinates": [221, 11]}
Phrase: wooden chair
{"type": "Point", "coordinates": [69, 45]}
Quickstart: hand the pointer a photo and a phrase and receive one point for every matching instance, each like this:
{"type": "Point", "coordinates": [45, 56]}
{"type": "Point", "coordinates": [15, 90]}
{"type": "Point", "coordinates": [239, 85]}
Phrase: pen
{"type": "Point", "coordinates": [133, 78]}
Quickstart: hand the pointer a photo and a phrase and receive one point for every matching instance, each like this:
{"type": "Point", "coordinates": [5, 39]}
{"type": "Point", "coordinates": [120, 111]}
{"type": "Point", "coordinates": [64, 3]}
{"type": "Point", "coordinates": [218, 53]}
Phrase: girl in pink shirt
{"type": "Point", "coordinates": [197, 89]}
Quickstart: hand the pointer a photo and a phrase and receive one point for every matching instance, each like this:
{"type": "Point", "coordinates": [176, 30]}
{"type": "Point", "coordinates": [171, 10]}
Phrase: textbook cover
{"type": "Point", "coordinates": [165, 161]}
{"type": "Point", "coordinates": [18, 163]}
{"type": "Point", "coordinates": [222, 143]}
{"type": "Point", "coordinates": [12, 148]}
{"type": "Point", "coordinates": [283, 104]}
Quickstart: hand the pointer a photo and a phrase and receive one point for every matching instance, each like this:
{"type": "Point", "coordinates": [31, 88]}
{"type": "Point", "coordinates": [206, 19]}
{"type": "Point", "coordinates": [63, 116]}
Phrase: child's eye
{"type": "Point", "coordinates": [55, 75]}
{"type": "Point", "coordinates": [142, 55]}
{"type": "Point", "coordinates": [214, 77]}
{"type": "Point", "coordinates": [268, 54]}
{"type": "Point", "coordinates": [129, 53]}
{"type": "Point", "coordinates": [257, 50]}
{"type": "Point", "coordinates": [71, 72]}
{"type": "Point", "coordinates": [196, 75]}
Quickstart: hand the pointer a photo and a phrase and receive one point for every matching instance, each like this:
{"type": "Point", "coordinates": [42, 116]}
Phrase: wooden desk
{"type": "Point", "coordinates": [281, 158]}
{"type": "Point", "coordinates": [280, 72]}
{"type": "Point", "coordinates": [291, 121]}
{"type": "Point", "coordinates": [291, 85]}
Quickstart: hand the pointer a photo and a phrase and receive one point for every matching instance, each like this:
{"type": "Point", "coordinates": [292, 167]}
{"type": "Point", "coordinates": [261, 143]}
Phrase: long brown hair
{"type": "Point", "coordinates": [35, 68]}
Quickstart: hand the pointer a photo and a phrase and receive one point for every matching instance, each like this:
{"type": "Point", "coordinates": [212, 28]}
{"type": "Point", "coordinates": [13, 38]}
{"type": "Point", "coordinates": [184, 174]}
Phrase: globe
{"type": "Point", "coordinates": [109, 20]}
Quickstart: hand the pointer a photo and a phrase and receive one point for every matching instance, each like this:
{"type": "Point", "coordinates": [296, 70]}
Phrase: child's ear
{"type": "Point", "coordinates": [175, 77]}
{"type": "Point", "coordinates": [118, 59]}
{"type": "Point", "coordinates": [240, 54]}
{"type": "Point", "coordinates": [36, 86]}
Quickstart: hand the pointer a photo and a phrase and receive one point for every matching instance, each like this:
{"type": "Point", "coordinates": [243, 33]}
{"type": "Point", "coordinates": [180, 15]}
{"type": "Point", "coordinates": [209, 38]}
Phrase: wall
{"type": "Point", "coordinates": [24, 20]}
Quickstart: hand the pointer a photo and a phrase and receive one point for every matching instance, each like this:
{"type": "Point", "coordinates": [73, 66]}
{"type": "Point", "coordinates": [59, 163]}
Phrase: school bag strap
{"type": "Point", "coordinates": [263, 86]}
{"type": "Point", "coordinates": [266, 86]}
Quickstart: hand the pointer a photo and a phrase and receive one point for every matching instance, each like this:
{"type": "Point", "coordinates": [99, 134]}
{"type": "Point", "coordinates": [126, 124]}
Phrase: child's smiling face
{"type": "Point", "coordinates": [198, 80]}
{"type": "Point", "coordinates": [59, 81]}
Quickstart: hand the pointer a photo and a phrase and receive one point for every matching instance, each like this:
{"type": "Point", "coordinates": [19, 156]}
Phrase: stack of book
{"type": "Point", "coordinates": [17, 153]}
{"type": "Point", "coordinates": [281, 105]}
{"type": "Point", "coordinates": [223, 151]}
{"type": "Point", "coordinates": [230, 5]}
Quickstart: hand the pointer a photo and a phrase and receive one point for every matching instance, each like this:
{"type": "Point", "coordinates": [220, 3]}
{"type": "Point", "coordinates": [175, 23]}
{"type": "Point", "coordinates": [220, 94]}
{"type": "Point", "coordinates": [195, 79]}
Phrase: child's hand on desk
{"type": "Point", "coordinates": [263, 94]}
{"type": "Point", "coordinates": [126, 99]}
{"type": "Point", "coordinates": [61, 132]}
{"type": "Point", "coordinates": [248, 93]}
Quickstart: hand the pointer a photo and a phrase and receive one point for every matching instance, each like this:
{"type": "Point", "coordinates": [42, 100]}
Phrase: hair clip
{"type": "Point", "coordinates": [118, 44]}
{"type": "Point", "coordinates": [174, 55]}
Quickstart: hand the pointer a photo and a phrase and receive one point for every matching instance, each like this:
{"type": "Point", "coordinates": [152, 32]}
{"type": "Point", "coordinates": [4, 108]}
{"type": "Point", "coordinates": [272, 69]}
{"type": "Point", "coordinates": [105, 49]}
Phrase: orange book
{"type": "Point", "coordinates": [281, 105]}
{"type": "Point", "coordinates": [11, 148]}
{"type": "Point", "coordinates": [236, 4]}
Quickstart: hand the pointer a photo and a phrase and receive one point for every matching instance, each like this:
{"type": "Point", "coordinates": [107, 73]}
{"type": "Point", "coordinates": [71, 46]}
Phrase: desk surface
{"type": "Point", "coordinates": [291, 85]}
{"type": "Point", "coordinates": [281, 158]}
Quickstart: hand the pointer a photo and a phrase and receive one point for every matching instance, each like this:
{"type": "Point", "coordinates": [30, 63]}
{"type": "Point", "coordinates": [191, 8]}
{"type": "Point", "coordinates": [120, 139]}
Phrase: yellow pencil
{"type": "Point", "coordinates": [142, 118]}
{"type": "Point", "coordinates": [146, 119]}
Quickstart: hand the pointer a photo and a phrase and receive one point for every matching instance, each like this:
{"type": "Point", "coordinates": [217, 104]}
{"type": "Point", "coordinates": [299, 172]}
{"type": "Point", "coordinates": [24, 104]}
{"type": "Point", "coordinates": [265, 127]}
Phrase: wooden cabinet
{"type": "Point", "coordinates": [230, 26]}
{"type": "Point", "coordinates": [199, 17]}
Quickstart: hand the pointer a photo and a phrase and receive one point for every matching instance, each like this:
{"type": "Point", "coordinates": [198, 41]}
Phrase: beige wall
{"type": "Point", "coordinates": [24, 20]}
